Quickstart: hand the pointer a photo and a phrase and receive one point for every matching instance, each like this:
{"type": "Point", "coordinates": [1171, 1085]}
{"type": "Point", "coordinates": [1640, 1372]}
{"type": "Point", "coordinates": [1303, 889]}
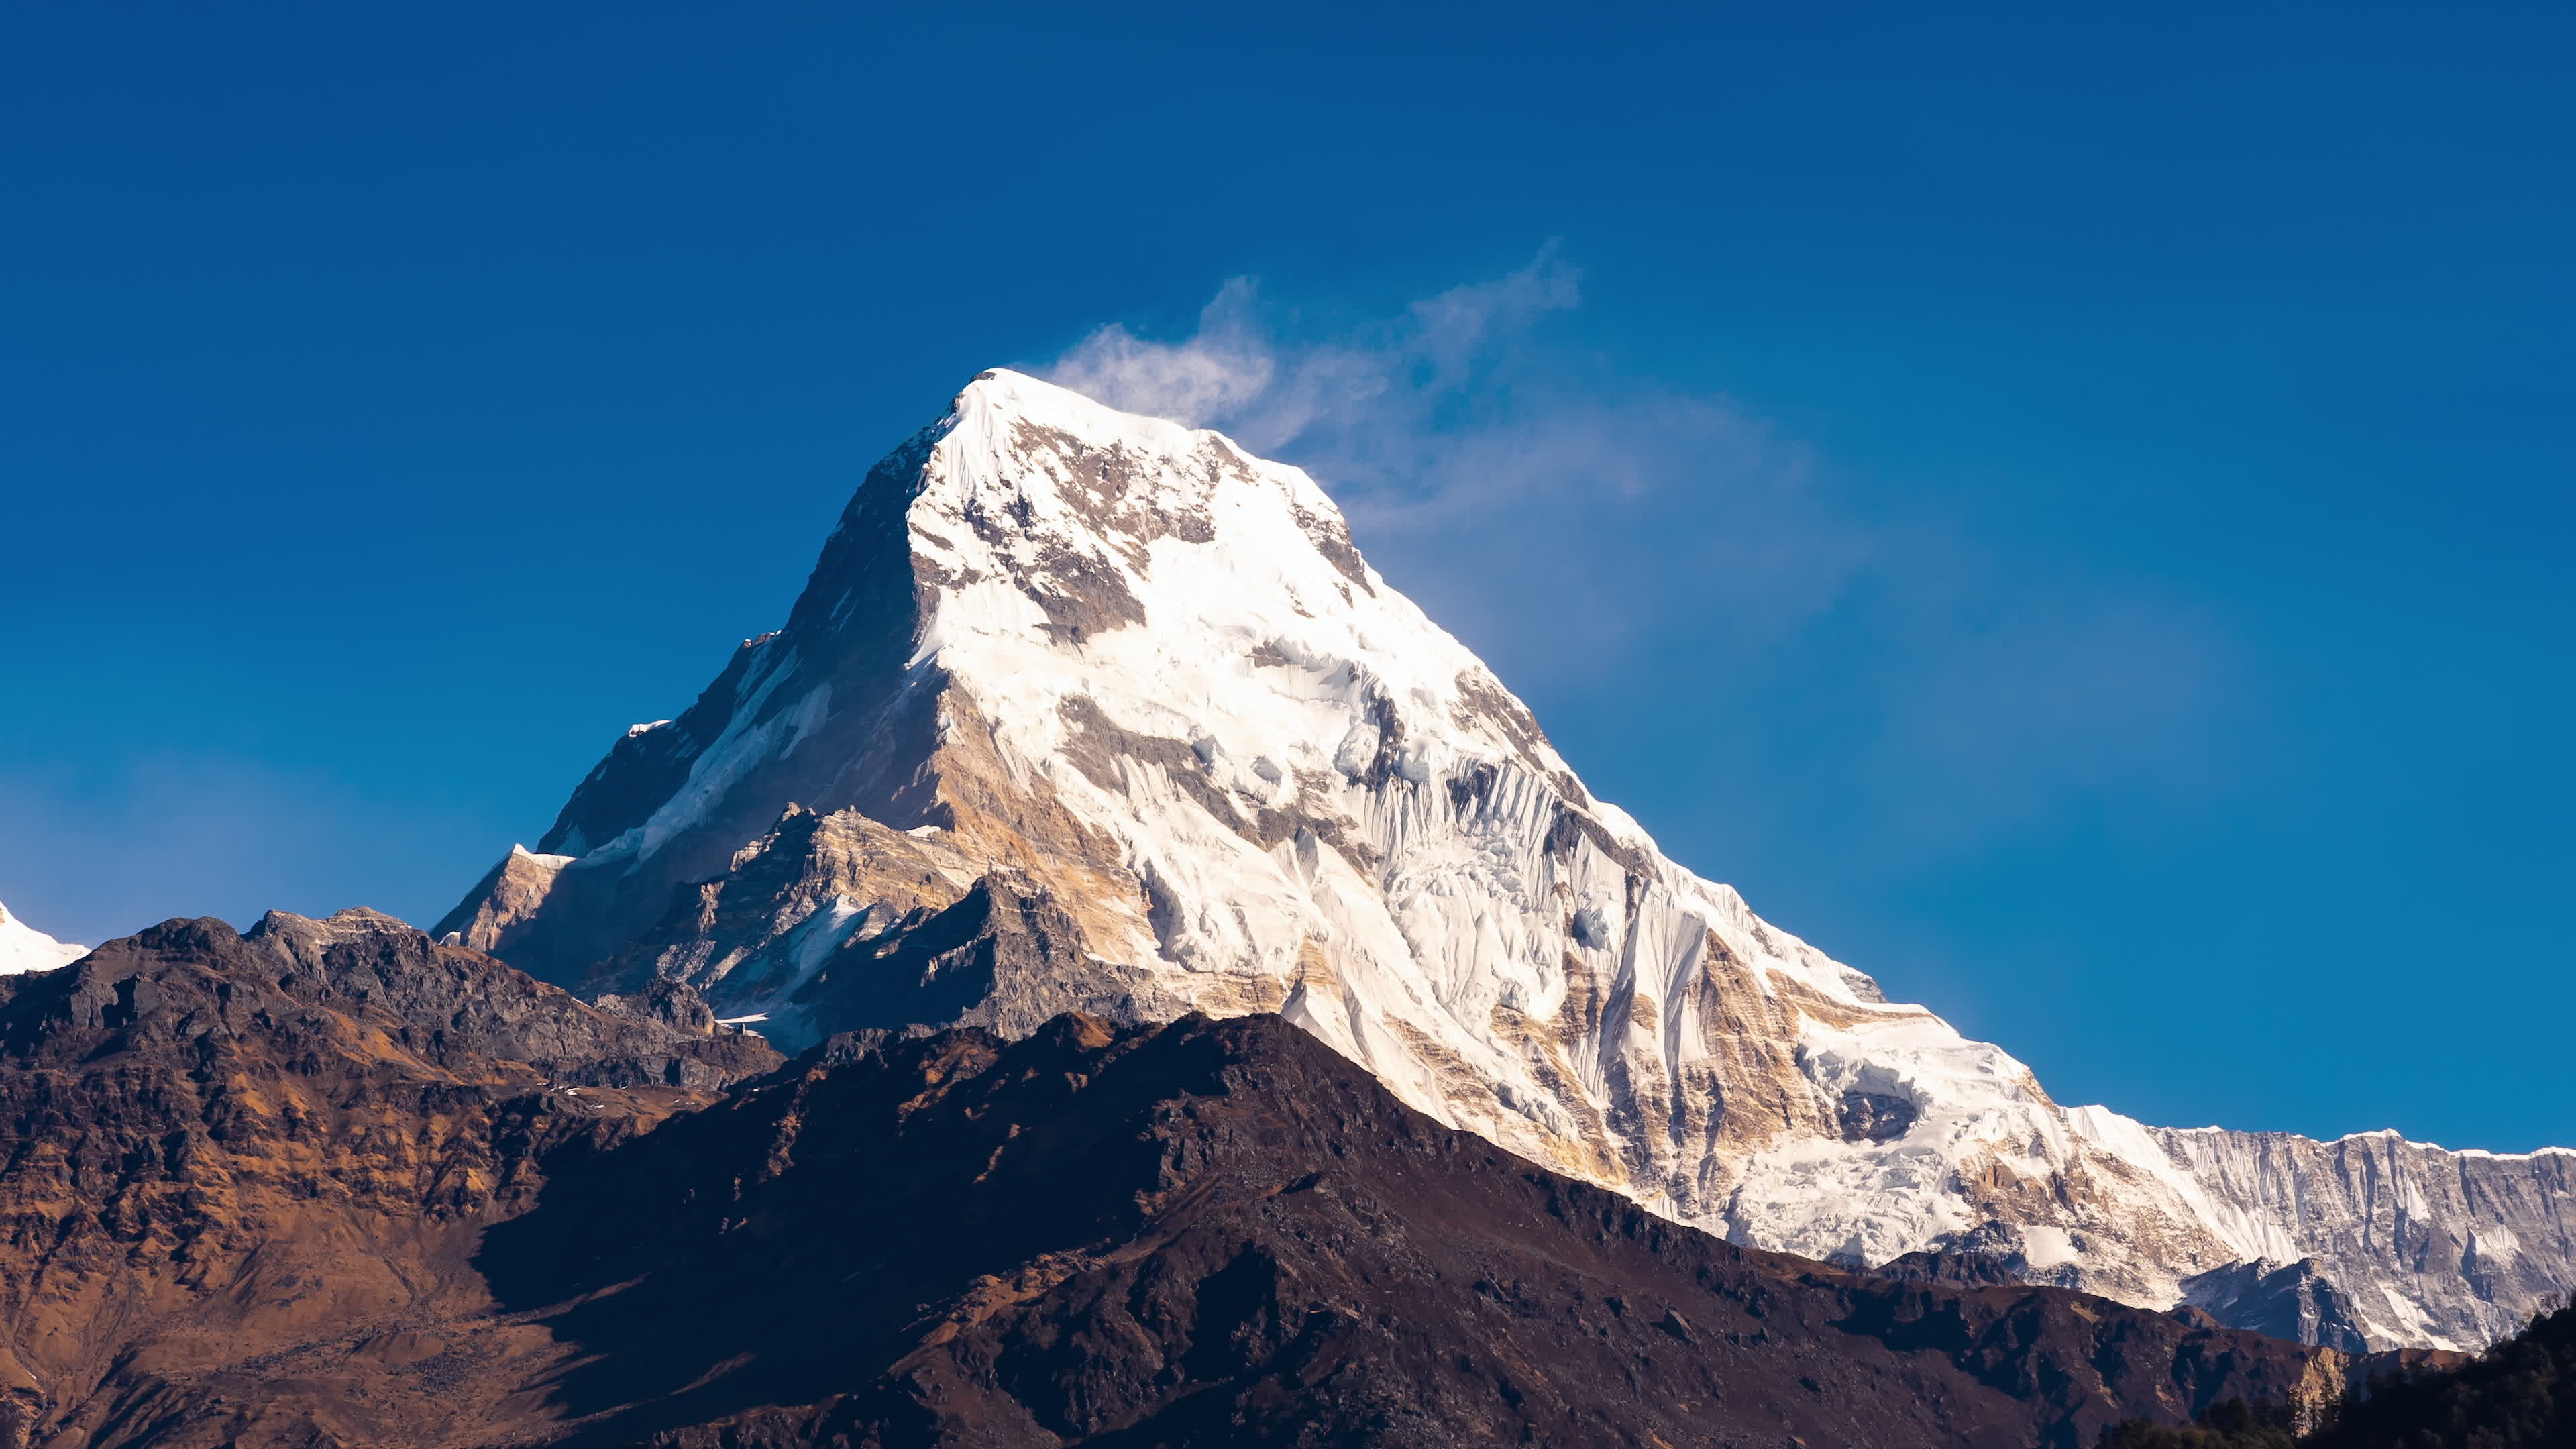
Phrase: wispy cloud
{"type": "Point", "coordinates": [1597, 538]}
{"type": "Point", "coordinates": [1464, 449]}
{"type": "Point", "coordinates": [1384, 400]}
{"type": "Point", "coordinates": [1216, 373]}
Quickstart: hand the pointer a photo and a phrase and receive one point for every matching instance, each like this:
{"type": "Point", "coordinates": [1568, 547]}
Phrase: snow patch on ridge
{"type": "Point", "coordinates": [24, 948]}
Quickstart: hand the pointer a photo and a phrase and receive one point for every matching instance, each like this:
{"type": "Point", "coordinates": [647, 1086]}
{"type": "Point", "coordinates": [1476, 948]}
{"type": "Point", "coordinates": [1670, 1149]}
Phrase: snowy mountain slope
{"type": "Point", "coordinates": [2425, 1245]}
{"type": "Point", "coordinates": [24, 948]}
{"type": "Point", "coordinates": [1081, 709]}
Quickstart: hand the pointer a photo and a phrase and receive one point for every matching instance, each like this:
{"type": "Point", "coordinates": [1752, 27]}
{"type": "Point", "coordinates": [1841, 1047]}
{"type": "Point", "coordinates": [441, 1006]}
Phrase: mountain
{"type": "Point", "coordinates": [328, 1184]}
{"type": "Point", "coordinates": [24, 948]}
{"type": "Point", "coordinates": [1082, 711]}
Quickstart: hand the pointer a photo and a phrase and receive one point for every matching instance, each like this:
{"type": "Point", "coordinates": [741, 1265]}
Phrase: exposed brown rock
{"type": "Point", "coordinates": [330, 1184]}
{"type": "Point", "coordinates": [247, 1174]}
{"type": "Point", "coordinates": [1221, 1232]}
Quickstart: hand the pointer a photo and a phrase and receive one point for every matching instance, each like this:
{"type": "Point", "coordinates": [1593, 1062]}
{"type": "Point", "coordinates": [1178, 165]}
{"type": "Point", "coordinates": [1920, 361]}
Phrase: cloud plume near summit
{"type": "Point", "coordinates": [1615, 546]}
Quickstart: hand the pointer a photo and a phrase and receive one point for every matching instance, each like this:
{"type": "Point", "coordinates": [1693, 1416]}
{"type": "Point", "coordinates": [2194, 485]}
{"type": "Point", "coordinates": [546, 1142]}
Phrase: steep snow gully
{"type": "Point", "coordinates": [1084, 710]}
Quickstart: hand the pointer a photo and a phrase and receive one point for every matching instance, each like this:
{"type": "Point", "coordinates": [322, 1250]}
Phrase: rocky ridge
{"type": "Point", "coordinates": [1086, 711]}
{"type": "Point", "coordinates": [248, 1172]}
{"type": "Point", "coordinates": [1223, 1232]}
{"type": "Point", "coordinates": [327, 1185]}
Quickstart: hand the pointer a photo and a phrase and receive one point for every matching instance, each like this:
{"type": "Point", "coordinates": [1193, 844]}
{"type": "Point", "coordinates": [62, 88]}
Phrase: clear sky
{"type": "Point", "coordinates": [2068, 510]}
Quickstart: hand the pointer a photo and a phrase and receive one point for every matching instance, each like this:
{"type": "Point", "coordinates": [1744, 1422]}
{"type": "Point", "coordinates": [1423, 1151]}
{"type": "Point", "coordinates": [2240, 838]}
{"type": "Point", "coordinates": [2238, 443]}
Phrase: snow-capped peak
{"type": "Point", "coordinates": [24, 948]}
{"type": "Point", "coordinates": [1083, 710]}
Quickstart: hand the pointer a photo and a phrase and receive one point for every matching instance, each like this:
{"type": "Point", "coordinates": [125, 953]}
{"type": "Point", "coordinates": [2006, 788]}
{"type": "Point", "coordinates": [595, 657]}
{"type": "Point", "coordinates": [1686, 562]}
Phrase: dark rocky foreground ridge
{"type": "Point", "coordinates": [328, 1183]}
{"type": "Point", "coordinates": [246, 1174]}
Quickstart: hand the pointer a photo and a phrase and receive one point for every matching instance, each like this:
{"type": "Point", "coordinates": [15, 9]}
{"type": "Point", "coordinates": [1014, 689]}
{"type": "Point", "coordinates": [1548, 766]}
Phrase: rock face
{"type": "Point", "coordinates": [2289, 1301]}
{"type": "Point", "coordinates": [328, 1185]}
{"type": "Point", "coordinates": [1224, 1233]}
{"type": "Point", "coordinates": [1085, 711]}
{"type": "Point", "coordinates": [24, 948]}
{"type": "Point", "coordinates": [247, 1172]}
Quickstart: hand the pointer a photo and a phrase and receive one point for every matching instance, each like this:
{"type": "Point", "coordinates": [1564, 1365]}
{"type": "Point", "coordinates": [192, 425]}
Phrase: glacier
{"type": "Point", "coordinates": [1082, 710]}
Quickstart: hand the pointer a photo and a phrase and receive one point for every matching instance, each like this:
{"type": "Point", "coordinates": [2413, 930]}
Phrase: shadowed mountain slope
{"type": "Point", "coordinates": [1223, 1232]}
{"type": "Point", "coordinates": [329, 1184]}
{"type": "Point", "coordinates": [2519, 1394]}
{"type": "Point", "coordinates": [245, 1172]}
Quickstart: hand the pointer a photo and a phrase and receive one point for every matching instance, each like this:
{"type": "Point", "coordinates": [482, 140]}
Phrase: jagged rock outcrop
{"type": "Point", "coordinates": [2288, 1300]}
{"type": "Point", "coordinates": [1088, 711]}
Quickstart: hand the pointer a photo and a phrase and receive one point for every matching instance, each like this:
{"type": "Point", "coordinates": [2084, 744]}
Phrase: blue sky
{"type": "Point", "coordinates": [2067, 510]}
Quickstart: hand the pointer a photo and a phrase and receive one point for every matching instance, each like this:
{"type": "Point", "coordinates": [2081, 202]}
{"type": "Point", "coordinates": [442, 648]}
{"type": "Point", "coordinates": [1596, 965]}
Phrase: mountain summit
{"type": "Point", "coordinates": [1088, 711]}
